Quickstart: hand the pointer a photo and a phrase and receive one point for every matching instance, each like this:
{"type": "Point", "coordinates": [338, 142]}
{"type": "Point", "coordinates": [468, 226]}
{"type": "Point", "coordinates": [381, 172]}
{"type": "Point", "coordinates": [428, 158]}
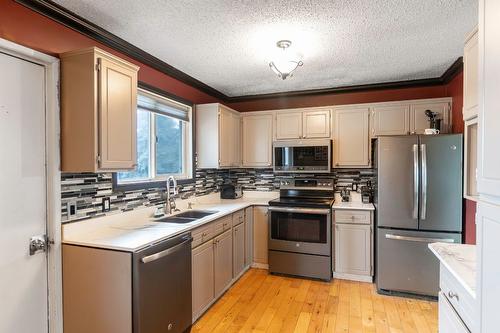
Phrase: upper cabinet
{"type": "Point", "coordinates": [471, 67]}
{"type": "Point", "coordinates": [303, 124]}
{"type": "Point", "coordinates": [419, 121]}
{"type": "Point", "coordinates": [257, 137]}
{"type": "Point", "coordinates": [218, 132]}
{"type": "Point", "coordinates": [351, 144]}
{"type": "Point", "coordinates": [98, 112]}
{"type": "Point", "coordinates": [390, 120]}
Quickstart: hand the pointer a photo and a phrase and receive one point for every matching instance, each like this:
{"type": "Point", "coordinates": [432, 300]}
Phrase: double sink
{"type": "Point", "coordinates": [187, 216]}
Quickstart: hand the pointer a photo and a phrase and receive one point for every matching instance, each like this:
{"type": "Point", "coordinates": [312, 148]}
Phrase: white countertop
{"type": "Point", "coordinates": [354, 204]}
{"type": "Point", "coordinates": [460, 260]}
{"type": "Point", "coordinates": [134, 230]}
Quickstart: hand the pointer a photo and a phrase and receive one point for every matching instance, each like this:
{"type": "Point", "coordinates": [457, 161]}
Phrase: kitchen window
{"type": "Point", "coordinates": [164, 142]}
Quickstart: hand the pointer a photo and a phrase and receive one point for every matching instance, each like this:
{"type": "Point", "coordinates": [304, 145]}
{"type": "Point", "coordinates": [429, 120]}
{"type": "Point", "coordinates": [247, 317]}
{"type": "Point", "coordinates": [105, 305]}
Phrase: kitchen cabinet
{"type": "Point", "coordinates": [257, 137]}
{"type": "Point", "coordinates": [393, 119]}
{"type": "Point", "coordinates": [471, 68]}
{"type": "Point", "coordinates": [202, 277]}
{"type": "Point", "coordinates": [260, 236]}
{"type": "Point", "coordinates": [98, 112]}
{"type": "Point", "coordinates": [351, 144]}
{"type": "Point", "coordinates": [238, 249]}
{"type": "Point", "coordinates": [223, 262]}
{"type": "Point", "coordinates": [248, 236]}
{"type": "Point", "coordinates": [218, 131]}
{"type": "Point", "coordinates": [353, 244]}
{"type": "Point", "coordinates": [303, 124]}
{"type": "Point", "coordinates": [419, 121]}
{"type": "Point", "coordinates": [449, 321]}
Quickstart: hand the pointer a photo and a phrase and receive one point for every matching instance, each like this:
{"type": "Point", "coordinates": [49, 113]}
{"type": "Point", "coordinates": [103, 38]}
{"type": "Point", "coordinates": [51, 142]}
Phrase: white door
{"type": "Point", "coordinates": [391, 120]}
{"type": "Point", "coordinates": [419, 121]}
{"type": "Point", "coordinates": [351, 141]}
{"type": "Point", "coordinates": [23, 278]}
{"type": "Point", "coordinates": [223, 262]}
{"type": "Point", "coordinates": [353, 249]}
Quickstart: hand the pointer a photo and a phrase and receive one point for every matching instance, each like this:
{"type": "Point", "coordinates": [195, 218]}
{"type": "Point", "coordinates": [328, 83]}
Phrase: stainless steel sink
{"type": "Point", "coordinates": [197, 214]}
{"type": "Point", "coordinates": [186, 217]}
{"type": "Point", "coordinates": [175, 219]}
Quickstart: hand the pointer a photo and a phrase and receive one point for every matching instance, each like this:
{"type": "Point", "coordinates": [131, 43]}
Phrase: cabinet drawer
{"type": "Point", "coordinates": [459, 298]}
{"type": "Point", "coordinates": [222, 225]}
{"type": "Point", "coordinates": [449, 321]}
{"type": "Point", "coordinates": [238, 217]}
{"type": "Point", "coordinates": [202, 234]}
{"type": "Point", "coordinates": [352, 216]}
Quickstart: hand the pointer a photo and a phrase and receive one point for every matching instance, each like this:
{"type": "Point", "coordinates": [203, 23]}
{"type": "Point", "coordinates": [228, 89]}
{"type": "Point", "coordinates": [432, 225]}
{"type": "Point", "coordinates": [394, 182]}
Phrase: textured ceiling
{"type": "Point", "coordinates": [228, 44]}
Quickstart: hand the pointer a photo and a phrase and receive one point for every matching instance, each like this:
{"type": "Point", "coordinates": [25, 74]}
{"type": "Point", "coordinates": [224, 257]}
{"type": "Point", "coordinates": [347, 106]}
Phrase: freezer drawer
{"type": "Point", "coordinates": [404, 263]}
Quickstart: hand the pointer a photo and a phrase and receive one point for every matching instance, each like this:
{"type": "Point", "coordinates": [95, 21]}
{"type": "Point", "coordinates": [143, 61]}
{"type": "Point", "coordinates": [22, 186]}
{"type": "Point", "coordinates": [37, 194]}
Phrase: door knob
{"type": "Point", "coordinates": [38, 244]}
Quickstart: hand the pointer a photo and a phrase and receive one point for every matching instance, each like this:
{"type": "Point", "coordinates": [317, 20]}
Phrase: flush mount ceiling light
{"type": "Point", "coordinates": [284, 66]}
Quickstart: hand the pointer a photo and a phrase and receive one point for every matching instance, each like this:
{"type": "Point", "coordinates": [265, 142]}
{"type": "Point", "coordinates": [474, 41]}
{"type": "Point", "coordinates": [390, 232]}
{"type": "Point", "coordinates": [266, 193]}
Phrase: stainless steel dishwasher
{"type": "Point", "coordinates": [162, 287]}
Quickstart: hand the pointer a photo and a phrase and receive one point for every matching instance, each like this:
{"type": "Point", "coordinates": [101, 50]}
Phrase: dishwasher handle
{"type": "Point", "coordinates": [173, 249]}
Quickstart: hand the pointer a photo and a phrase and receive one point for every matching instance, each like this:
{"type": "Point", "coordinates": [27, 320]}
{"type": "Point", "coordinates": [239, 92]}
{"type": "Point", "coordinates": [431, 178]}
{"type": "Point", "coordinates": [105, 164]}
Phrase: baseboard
{"type": "Point", "coordinates": [259, 265]}
{"type": "Point", "coordinates": [353, 277]}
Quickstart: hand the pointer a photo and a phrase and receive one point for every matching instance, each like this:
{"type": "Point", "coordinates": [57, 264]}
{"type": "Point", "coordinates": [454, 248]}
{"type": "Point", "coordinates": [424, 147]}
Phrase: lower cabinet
{"type": "Point", "coordinates": [260, 233]}
{"type": "Point", "coordinates": [353, 244]}
{"type": "Point", "coordinates": [449, 321]}
{"type": "Point", "coordinates": [248, 236]}
{"type": "Point", "coordinates": [238, 249]}
{"type": "Point", "coordinates": [223, 262]}
{"type": "Point", "coordinates": [202, 277]}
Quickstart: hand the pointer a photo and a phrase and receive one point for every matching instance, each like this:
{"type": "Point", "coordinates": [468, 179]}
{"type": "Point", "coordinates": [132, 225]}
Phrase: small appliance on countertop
{"type": "Point", "coordinates": [231, 191]}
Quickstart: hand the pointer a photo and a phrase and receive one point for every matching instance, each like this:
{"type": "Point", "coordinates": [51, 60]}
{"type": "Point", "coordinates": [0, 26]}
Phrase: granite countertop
{"type": "Point", "coordinates": [137, 229]}
{"type": "Point", "coordinates": [460, 260]}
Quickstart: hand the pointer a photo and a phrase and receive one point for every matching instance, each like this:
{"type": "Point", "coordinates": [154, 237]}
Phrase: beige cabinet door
{"type": "Point", "coordinates": [238, 249]}
{"type": "Point", "coordinates": [257, 140]}
{"type": "Point", "coordinates": [236, 142]}
{"type": "Point", "coordinates": [353, 249]}
{"type": "Point", "coordinates": [260, 234]}
{"type": "Point", "coordinates": [117, 115]}
{"type": "Point", "coordinates": [226, 140]}
{"type": "Point", "coordinates": [471, 83]}
{"type": "Point", "coordinates": [248, 236]}
{"type": "Point", "coordinates": [223, 262]}
{"type": "Point", "coordinates": [289, 125]}
{"type": "Point", "coordinates": [390, 120]}
{"type": "Point", "coordinates": [351, 141]}
{"type": "Point", "coordinates": [316, 124]}
{"type": "Point", "coordinates": [419, 121]}
{"type": "Point", "coordinates": [202, 277]}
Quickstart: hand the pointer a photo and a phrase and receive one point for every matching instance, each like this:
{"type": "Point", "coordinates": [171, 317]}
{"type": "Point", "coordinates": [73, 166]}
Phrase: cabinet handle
{"type": "Point", "coordinates": [452, 294]}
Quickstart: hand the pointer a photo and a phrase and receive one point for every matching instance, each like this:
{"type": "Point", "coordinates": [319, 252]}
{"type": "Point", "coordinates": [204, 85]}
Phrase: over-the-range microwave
{"type": "Point", "coordinates": [302, 156]}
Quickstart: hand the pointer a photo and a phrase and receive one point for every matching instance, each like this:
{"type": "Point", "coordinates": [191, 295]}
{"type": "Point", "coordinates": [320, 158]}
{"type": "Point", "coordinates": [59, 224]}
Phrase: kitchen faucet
{"type": "Point", "coordinates": [169, 205]}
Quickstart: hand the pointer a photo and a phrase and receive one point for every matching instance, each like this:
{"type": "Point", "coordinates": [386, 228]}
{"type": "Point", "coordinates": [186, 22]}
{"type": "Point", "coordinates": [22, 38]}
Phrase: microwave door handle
{"type": "Point", "coordinates": [415, 181]}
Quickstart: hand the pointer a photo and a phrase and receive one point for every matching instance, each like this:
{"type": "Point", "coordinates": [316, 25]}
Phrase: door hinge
{"type": "Point", "coordinates": [98, 158]}
{"type": "Point", "coordinates": [98, 66]}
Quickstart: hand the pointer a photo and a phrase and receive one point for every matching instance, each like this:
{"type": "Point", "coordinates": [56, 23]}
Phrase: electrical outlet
{"type": "Point", "coordinates": [106, 204]}
{"type": "Point", "coordinates": [71, 208]}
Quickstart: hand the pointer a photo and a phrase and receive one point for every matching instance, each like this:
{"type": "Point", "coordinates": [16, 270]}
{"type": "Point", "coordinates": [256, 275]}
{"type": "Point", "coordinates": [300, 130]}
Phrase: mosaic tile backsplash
{"type": "Point", "coordinates": [89, 189]}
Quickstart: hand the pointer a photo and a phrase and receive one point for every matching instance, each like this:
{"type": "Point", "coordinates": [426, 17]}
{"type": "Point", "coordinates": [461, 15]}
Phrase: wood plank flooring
{"type": "Point", "coordinates": [260, 302]}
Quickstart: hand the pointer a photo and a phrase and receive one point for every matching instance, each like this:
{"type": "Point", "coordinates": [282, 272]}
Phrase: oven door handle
{"type": "Point", "coordinates": [300, 210]}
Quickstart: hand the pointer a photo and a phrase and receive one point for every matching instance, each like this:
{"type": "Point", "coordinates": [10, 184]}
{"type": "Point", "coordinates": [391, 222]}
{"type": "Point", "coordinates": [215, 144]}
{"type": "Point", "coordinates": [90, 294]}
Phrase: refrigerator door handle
{"type": "Point", "coordinates": [419, 239]}
{"type": "Point", "coordinates": [423, 210]}
{"type": "Point", "coordinates": [415, 181]}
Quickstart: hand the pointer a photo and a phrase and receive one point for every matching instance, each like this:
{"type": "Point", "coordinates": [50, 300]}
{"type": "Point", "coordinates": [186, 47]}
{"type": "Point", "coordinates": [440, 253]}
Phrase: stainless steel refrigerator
{"type": "Point", "coordinates": [418, 201]}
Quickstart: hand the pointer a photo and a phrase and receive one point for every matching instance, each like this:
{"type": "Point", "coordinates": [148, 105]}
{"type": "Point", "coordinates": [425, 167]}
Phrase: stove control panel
{"type": "Point", "coordinates": [307, 183]}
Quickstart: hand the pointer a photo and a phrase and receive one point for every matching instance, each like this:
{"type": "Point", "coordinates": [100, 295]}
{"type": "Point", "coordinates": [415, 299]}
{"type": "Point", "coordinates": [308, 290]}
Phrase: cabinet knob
{"type": "Point", "coordinates": [452, 294]}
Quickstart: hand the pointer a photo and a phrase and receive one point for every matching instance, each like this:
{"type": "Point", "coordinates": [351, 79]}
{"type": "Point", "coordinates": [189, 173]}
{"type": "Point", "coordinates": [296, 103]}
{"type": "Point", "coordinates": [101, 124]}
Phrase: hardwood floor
{"type": "Point", "coordinates": [260, 302]}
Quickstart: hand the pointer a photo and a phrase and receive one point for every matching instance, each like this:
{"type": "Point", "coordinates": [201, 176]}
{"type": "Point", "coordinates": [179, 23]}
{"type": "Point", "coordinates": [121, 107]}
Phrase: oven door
{"type": "Point", "coordinates": [300, 230]}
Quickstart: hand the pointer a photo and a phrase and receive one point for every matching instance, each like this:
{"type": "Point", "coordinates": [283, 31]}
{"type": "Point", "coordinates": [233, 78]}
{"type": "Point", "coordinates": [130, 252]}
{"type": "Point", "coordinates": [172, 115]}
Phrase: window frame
{"type": "Point", "coordinates": [160, 182]}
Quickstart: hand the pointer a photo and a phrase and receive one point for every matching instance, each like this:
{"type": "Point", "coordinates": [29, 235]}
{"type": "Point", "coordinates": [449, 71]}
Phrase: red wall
{"type": "Point", "coordinates": [340, 98]}
{"type": "Point", "coordinates": [24, 26]}
{"type": "Point", "coordinates": [455, 89]}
